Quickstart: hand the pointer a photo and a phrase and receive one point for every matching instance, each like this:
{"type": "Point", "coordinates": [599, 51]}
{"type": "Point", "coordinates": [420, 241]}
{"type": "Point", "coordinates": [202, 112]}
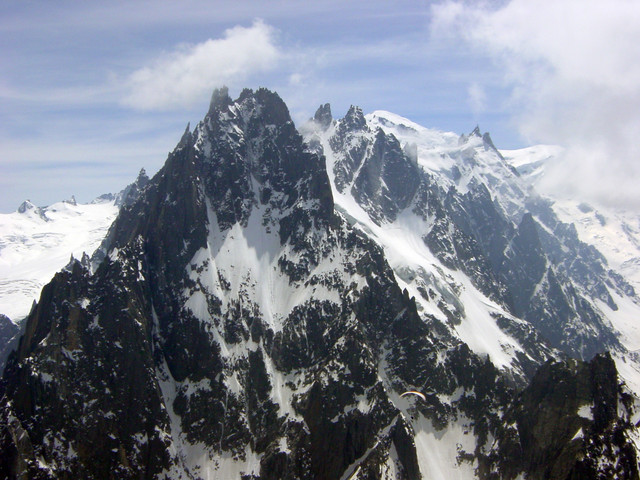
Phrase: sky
{"type": "Point", "coordinates": [90, 92]}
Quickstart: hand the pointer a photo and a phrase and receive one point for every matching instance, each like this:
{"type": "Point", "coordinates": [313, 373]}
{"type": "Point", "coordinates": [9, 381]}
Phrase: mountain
{"type": "Point", "coordinates": [614, 231]}
{"type": "Point", "coordinates": [36, 242]}
{"type": "Point", "coordinates": [264, 303]}
{"type": "Point", "coordinates": [477, 215]}
{"type": "Point", "coordinates": [603, 302]}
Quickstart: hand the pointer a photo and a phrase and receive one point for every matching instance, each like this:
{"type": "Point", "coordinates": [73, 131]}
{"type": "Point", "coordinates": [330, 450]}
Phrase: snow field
{"type": "Point", "coordinates": [438, 450]}
{"type": "Point", "coordinates": [406, 250]}
{"type": "Point", "coordinates": [32, 249]}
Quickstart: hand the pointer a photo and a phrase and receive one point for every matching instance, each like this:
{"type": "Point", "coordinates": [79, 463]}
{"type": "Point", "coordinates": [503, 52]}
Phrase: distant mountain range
{"type": "Point", "coordinates": [36, 242]}
{"type": "Point", "coordinates": [614, 231]}
{"type": "Point", "coordinates": [260, 307]}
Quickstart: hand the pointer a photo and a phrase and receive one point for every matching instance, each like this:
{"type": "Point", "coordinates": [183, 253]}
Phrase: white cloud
{"type": "Point", "coordinates": [573, 71]}
{"type": "Point", "coordinates": [189, 74]}
{"type": "Point", "coordinates": [296, 79]}
{"type": "Point", "coordinates": [477, 98]}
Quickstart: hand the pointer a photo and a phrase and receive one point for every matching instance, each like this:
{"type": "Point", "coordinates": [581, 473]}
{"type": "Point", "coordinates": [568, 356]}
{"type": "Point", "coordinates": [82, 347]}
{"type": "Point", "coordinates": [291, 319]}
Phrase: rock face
{"type": "Point", "coordinates": [8, 333]}
{"type": "Point", "coordinates": [570, 418]}
{"type": "Point", "coordinates": [323, 116]}
{"type": "Point", "coordinates": [477, 217]}
{"type": "Point", "coordinates": [236, 325]}
{"type": "Point", "coordinates": [131, 192]}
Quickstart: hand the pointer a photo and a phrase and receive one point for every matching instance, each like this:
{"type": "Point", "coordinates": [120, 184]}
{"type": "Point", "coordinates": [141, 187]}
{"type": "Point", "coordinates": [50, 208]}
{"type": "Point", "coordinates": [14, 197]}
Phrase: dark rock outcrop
{"type": "Point", "coordinates": [570, 422]}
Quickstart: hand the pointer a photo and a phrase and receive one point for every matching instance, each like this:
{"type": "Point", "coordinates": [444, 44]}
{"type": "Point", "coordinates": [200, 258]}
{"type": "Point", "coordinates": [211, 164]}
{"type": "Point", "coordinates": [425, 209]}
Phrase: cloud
{"type": "Point", "coordinates": [574, 79]}
{"type": "Point", "coordinates": [477, 98]}
{"type": "Point", "coordinates": [296, 79]}
{"type": "Point", "coordinates": [189, 74]}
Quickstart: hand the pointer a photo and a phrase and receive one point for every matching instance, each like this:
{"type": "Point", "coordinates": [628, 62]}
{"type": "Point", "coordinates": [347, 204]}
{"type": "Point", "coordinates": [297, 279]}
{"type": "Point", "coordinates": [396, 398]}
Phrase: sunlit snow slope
{"type": "Point", "coordinates": [462, 163]}
{"type": "Point", "coordinates": [615, 232]}
{"type": "Point", "coordinates": [470, 314]}
{"type": "Point", "coordinates": [37, 242]}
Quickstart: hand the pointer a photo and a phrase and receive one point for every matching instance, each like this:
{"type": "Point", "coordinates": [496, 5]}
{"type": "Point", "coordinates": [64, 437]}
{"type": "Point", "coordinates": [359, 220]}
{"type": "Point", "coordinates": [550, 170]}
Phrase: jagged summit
{"type": "Point", "coordinates": [186, 136]}
{"type": "Point", "coordinates": [84, 261]}
{"type": "Point", "coordinates": [323, 116]}
{"type": "Point", "coordinates": [476, 134]}
{"type": "Point", "coordinates": [487, 142]}
{"type": "Point", "coordinates": [26, 205]}
{"type": "Point", "coordinates": [219, 99]}
{"type": "Point", "coordinates": [464, 183]}
{"type": "Point", "coordinates": [254, 139]}
{"type": "Point", "coordinates": [354, 120]}
{"type": "Point", "coordinates": [29, 210]}
{"type": "Point", "coordinates": [132, 191]}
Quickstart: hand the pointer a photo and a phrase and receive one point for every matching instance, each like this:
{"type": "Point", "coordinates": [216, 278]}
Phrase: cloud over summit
{"type": "Point", "coordinates": [573, 72]}
{"type": "Point", "coordinates": [188, 74]}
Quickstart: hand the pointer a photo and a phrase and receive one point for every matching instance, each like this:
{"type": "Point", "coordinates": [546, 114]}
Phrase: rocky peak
{"type": "Point", "coordinates": [323, 116]}
{"type": "Point", "coordinates": [351, 141]}
{"type": "Point", "coordinates": [219, 99]}
{"type": "Point", "coordinates": [249, 114]}
{"type": "Point", "coordinates": [464, 138]}
{"type": "Point", "coordinates": [486, 140]}
{"type": "Point", "coordinates": [154, 326]}
{"type": "Point", "coordinates": [142, 175]}
{"type": "Point", "coordinates": [388, 179]}
{"type": "Point", "coordinates": [273, 108]}
{"type": "Point", "coordinates": [354, 120]}
{"type": "Point", "coordinates": [251, 153]}
{"type": "Point", "coordinates": [184, 140]}
{"type": "Point", "coordinates": [132, 191]}
{"type": "Point", "coordinates": [260, 107]}
{"type": "Point", "coordinates": [28, 208]}
{"type": "Point", "coordinates": [84, 261]}
{"type": "Point", "coordinates": [26, 205]}
{"type": "Point", "coordinates": [236, 324]}
{"type": "Point", "coordinates": [488, 143]}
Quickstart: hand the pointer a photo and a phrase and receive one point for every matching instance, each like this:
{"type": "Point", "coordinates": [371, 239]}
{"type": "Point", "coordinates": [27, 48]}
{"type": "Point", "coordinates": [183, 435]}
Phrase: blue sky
{"type": "Point", "coordinates": [90, 92]}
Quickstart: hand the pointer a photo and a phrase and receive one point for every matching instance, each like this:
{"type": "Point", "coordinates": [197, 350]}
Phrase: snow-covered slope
{"type": "Point", "coordinates": [37, 242]}
{"type": "Point", "coordinates": [456, 160]}
{"type": "Point", "coordinates": [415, 266]}
{"type": "Point", "coordinates": [614, 231]}
{"type": "Point", "coordinates": [530, 161]}
{"type": "Point", "coordinates": [466, 164]}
